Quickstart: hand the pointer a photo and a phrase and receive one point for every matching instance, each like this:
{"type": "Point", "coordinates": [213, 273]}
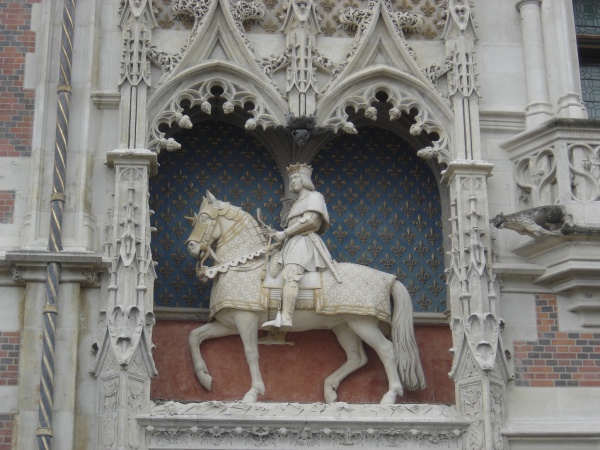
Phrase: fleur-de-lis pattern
{"type": "Point", "coordinates": [383, 202]}
{"type": "Point", "coordinates": [235, 168]}
{"type": "Point", "coordinates": [385, 212]}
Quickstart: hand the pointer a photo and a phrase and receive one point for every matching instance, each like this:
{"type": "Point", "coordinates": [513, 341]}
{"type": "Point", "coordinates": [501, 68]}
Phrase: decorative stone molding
{"type": "Point", "coordinates": [76, 267]}
{"type": "Point", "coordinates": [362, 21]}
{"type": "Point", "coordinates": [557, 162]}
{"type": "Point", "coordinates": [569, 261]}
{"type": "Point", "coordinates": [288, 425]}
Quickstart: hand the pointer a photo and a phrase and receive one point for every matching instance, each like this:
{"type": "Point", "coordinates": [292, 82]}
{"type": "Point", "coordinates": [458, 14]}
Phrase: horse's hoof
{"type": "Point", "coordinates": [389, 398]}
{"type": "Point", "coordinates": [250, 397]}
{"type": "Point", "coordinates": [205, 380]}
{"type": "Point", "coordinates": [330, 396]}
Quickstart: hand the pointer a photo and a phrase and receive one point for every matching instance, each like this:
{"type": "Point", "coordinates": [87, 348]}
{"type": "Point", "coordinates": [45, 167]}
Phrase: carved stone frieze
{"type": "Point", "coordinates": [434, 14]}
{"type": "Point", "coordinates": [290, 425]}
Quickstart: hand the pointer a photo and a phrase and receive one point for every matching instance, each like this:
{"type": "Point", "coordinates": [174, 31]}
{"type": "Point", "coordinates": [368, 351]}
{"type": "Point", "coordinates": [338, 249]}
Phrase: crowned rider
{"type": "Point", "coordinates": [303, 249]}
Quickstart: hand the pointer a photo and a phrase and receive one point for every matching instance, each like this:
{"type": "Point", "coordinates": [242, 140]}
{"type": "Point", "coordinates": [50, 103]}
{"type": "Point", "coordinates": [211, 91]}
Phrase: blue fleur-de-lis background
{"type": "Point", "coordinates": [383, 202]}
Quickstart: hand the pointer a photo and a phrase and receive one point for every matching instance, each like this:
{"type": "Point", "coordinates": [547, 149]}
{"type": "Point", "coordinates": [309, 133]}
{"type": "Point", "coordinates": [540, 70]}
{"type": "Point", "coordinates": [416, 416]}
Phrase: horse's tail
{"type": "Point", "coordinates": [406, 351]}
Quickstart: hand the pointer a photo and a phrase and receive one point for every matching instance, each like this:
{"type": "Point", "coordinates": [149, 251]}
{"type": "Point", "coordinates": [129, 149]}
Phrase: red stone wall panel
{"type": "Point", "coordinates": [292, 373]}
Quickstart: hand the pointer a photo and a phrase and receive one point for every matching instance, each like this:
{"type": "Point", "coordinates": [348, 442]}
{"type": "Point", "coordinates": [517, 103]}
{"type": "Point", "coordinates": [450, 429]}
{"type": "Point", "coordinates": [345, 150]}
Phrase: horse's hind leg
{"type": "Point", "coordinates": [355, 359]}
{"type": "Point", "coordinates": [367, 328]}
{"type": "Point", "coordinates": [247, 325]}
{"type": "Point", "coordinates": [211, 330]}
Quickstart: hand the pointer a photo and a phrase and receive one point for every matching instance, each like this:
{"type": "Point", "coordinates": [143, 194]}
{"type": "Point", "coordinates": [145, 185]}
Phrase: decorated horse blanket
{"type": "Point", "coordinates": [363, 291]}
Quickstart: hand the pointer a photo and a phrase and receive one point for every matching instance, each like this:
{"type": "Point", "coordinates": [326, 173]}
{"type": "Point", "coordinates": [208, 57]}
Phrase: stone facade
{"type": "Point", "coordinates": [117, 115]}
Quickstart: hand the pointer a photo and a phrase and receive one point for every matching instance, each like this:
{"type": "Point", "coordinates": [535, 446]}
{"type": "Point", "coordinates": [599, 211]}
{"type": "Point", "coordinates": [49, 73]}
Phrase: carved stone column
{"type": "Point", "coordinates": [479, 367]}
{"type": "Point", "coordinates": [538, 109]}
{"type": "Point", "coordinates": [560, 42]}
{"type": "Point", "coordinates": [124, 363]}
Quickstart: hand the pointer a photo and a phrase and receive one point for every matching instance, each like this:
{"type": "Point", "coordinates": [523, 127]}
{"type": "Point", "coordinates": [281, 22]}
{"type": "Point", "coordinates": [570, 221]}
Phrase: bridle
{"type": "Point", "coordinates": [203, 233]}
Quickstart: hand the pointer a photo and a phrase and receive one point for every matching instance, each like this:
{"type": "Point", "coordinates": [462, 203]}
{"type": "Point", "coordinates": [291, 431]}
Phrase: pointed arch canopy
{"type": "Point", "coordinates": [404, 93]}
{"type": "Point", "coordinates": [196, 86]}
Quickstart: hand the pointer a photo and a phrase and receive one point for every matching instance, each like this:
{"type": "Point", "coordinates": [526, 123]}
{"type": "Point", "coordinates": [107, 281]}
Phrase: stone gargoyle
{"type": "Point", "coordinates": [536, 222]}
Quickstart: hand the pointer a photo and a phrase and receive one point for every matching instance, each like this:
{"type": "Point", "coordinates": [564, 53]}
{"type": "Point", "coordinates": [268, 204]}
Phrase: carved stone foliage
{"type": "Point", "coordinates": [195, 11]}
{"type": "Point", "coordinates": [109, 409]}
{"type": "Point", "coordinates": [433, 13]}
{"type": "Point", "coordinates": [122, 398]}
{"type": "Point", "coordinates": [536, 179]}
{"type": "Point", "coordinates": [402, 102]}
{"type": "Point", "coordinates": [231, 95]}
{"type": "Point", "coordinates": [584, 167]}
{"type": "Point", "coordinates": [477, 392]}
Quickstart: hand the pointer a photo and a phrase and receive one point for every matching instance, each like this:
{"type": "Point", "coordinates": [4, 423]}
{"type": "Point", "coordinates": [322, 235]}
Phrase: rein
{"type": "Point", "coordinates": [242, 222]}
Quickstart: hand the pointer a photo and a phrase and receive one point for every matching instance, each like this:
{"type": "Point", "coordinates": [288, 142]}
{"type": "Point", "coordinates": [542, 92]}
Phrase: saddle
{"type": "Point", "coordinates": [309, 289]}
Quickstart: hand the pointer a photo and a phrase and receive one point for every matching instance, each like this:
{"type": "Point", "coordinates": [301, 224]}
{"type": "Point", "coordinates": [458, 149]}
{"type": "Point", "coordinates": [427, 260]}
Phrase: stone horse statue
{"type": "Point", "coordinates": [356, 310]}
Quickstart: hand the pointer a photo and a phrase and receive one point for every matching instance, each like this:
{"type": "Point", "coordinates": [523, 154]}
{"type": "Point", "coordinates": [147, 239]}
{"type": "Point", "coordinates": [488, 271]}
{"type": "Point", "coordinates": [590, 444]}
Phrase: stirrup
{"type": "Point", "coordinates": [273, 323]}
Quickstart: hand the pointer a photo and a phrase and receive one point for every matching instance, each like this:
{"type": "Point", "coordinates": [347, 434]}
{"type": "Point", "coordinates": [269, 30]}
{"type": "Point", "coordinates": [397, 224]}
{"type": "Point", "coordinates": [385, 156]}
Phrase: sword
{"type": "Point", "coordinates": [326, 258]}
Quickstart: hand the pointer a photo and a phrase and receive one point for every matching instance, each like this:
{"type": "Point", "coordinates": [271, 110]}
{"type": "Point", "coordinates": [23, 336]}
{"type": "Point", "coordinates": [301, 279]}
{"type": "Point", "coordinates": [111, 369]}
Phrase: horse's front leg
{"type": "Point", "coordinates": [247, 325]}
{"type": "Point", "coordinates": [211, 330]}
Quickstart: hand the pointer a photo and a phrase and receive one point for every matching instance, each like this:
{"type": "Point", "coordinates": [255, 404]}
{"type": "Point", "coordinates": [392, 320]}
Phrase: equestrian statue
{"type": "Point", "coordinates": [286, 280]}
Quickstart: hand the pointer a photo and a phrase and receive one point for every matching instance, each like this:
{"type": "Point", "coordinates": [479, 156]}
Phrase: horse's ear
{"type": "Point", "coordinates": [211, 198]}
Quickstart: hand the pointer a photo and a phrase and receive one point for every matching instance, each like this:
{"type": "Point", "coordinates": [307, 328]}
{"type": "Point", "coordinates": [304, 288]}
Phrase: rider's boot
{"type": "Point", "coordinates": [288, 301]}
{"type": "Point", "coordinates": [289, 295]}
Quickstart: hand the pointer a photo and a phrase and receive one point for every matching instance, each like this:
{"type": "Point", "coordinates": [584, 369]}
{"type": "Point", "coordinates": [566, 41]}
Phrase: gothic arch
{"type": "Point", "coordinates": [403, 93]}
{"type": "Point", "coordinates": [237, 88]}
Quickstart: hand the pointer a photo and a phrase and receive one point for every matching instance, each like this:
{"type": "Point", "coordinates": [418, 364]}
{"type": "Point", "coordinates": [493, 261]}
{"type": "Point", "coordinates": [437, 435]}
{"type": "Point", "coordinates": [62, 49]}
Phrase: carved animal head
{"type": "Point", "coordinates": [499, 221]}
{"type": "Point", "coordinates": [204, 224]}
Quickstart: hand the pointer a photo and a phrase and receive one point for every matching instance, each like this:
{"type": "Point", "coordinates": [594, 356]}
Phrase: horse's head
{"type": "Point", "coordinates": [205, 226]}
